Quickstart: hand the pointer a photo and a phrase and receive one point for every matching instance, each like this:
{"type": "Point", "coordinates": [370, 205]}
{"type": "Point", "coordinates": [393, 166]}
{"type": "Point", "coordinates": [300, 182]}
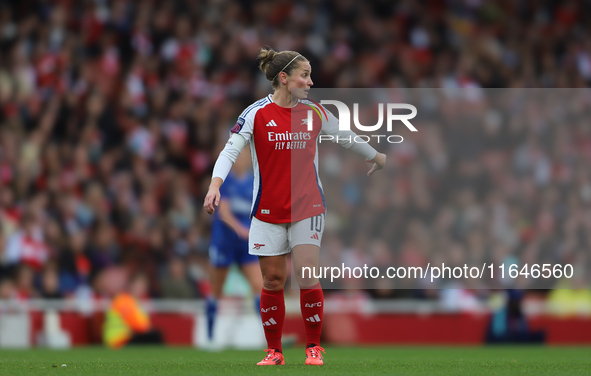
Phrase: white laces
{"type": "Point", "coordinates": [315, 351]}
{"type": "Point", "coordinates": [270, 353]}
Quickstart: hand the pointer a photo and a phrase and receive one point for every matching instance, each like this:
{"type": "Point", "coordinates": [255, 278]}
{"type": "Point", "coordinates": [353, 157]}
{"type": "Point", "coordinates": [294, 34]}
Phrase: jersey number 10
{"type": "Point", "coordinates": [316, 223]}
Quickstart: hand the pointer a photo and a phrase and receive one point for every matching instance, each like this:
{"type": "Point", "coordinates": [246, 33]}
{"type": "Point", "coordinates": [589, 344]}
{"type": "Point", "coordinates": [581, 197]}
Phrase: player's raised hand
{"type": "Point", "coordinates": [379, 161]}
{"type": "Point", "coordinates": [212, 199]}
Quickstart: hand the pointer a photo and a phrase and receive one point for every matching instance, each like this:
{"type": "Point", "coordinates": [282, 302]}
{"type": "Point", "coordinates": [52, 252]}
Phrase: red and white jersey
{"type": "Point", "coordinates": [27, 249]}
{"type": "Point", "coordinates": [285, 158]}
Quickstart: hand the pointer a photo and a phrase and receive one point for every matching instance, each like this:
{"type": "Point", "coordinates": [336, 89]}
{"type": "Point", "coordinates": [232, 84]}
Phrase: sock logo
{"type": "Point", "coordinates": [314, 318]}
{"type": "Point", "coordinates": [312, 305]}
{"type": "Point", "coordinates": [274, 308]}
{"type": "Point", "coordinates": [270, 322]}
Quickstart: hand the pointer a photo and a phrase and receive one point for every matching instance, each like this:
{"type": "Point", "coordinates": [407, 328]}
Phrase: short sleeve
{"type": "Point", "coordinates": [244, 127]}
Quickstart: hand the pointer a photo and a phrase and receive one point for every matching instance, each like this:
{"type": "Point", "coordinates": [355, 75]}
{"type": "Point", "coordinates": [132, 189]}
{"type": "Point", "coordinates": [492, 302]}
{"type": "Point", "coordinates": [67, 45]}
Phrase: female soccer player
{"type": "Point", "coordinates": [288, 202]}
{"type": "Point", "coordinates": [229, 238]}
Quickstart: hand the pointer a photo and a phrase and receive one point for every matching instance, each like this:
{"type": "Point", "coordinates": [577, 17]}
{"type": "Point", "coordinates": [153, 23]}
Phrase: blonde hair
{"type": "Point", "coordinates": [272, 63]}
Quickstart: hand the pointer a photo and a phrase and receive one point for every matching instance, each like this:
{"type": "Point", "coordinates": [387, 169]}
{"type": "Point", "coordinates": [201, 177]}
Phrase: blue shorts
{"type": "Point", "coordinates": [230, 249]}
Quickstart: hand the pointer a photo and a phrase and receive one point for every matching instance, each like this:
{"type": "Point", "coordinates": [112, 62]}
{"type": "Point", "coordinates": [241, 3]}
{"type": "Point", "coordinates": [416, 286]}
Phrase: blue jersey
{"type": "Point", "coordinates": [226, 247]}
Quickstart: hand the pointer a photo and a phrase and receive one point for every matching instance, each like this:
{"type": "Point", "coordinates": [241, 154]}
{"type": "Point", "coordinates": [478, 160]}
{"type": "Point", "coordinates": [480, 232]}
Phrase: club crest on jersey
{"type": "Point", "coordinates": [238, 127]}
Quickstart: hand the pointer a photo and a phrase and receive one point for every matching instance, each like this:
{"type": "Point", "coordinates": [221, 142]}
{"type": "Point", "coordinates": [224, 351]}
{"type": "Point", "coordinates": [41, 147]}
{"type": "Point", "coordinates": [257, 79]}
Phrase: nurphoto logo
{"type": "Point", "coordinates": [344, 116]}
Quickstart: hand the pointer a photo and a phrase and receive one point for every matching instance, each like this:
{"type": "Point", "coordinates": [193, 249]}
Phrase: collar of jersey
{"type": "Point", "coordinates": [272, 101]}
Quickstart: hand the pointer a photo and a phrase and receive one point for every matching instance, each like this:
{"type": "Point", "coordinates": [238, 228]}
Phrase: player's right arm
{"type": "Point", "coordinates": [212, 199]}
{"type": "Point", "coordinates": [240, 135]}
{"type": "Point", "coordinates": [221, 169]}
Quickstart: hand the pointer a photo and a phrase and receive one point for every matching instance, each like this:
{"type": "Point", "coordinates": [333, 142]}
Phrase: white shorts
{"type": "Point", "coordinates": [274, 239]}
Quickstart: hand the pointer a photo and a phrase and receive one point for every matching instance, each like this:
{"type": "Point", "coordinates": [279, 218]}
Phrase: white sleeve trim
{"type": "Point", "coordinates": [228, 156]}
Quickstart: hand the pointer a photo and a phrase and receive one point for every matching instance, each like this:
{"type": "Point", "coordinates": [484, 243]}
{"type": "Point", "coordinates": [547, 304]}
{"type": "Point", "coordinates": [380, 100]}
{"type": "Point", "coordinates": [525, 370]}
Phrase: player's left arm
{"type": "Point", "coordinates": [379, 161]}
{"type": "Point", "coordinates": [330, 126]}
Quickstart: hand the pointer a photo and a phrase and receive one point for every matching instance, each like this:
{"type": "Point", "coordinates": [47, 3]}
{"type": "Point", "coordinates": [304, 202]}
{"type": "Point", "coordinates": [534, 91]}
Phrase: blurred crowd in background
{"type": "Point", "coordinates": [495, 176]}
{"type": "Point", "coordinates": [112, 114]}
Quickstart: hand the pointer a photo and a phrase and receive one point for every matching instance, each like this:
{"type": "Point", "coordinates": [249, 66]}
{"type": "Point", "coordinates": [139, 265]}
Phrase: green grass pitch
{"type": "Point", "coordinates": [403, 360]}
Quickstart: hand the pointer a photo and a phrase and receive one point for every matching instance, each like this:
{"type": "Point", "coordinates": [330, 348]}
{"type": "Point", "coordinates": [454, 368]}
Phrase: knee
{"type": "Point", "coordinates": [273, 281]}
{"type": "Point", "coordinates": [306, 268]}
{"type": "Point", "coordinates": [307, 278]}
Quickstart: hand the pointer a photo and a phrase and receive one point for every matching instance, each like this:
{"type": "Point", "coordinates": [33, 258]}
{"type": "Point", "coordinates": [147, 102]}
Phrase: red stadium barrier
{"type": "Point", "coordinates": [460, 329]}
{"type": "Point", "coordinates": [391, 328]}
{"type": "Point", "coordinates": [564, 331]}
{"type": "Point", "coordinates": [176, 328]}
{"type": "Point", "coordinates": [179, 328]}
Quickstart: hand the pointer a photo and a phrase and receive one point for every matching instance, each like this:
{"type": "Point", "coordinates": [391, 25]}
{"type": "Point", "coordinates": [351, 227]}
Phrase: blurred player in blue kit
{"type": "Point", "coordinates": [229, 237]}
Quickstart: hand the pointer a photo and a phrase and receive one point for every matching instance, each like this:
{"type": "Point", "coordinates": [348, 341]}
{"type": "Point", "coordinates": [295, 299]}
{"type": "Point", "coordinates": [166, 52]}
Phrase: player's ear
{"type": "Point", "coordinates": [283, 78]}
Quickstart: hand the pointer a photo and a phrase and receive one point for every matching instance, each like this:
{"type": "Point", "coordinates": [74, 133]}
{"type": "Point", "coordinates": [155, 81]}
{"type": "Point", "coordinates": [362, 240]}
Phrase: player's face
{"type": "Point", "coordinates": [299, 82]}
